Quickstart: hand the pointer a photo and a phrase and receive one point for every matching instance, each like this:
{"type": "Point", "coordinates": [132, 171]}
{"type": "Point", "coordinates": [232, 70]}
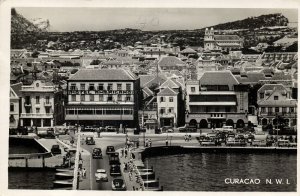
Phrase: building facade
{"type": "Point", "coordinates": [104, 97]}
{"type": "Point", "coordinates": [15, 99]}
{"type": "Point", "coordinates": [215, 100]}
{"type": "Point", "coordinates": [167, 107]}
{"type": "Point", "coordinates": [275, 100]}
{"type": "Point", "coordinates": [42, 105]}
{"type": "Point", "coordinates": [221, 42]}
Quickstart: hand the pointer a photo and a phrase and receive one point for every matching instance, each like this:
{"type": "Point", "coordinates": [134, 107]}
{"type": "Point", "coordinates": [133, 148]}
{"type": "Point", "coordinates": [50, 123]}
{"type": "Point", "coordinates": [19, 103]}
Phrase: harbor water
{"type": "Point", "coordinates": [226, 172]}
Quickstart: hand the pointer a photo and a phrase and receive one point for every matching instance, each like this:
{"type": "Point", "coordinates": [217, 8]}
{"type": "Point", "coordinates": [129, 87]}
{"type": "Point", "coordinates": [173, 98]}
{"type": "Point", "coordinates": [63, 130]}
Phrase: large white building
{"type": "Point", "coordinates": [42, 105]}
{"type": "Point", "coordinates": [221, 42]}
{"type": "Point", "coordinates": [103, 97]}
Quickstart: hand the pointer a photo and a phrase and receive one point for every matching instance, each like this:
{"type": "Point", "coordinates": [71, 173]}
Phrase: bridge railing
{"type": "Point", "coordinates": [76, 177]}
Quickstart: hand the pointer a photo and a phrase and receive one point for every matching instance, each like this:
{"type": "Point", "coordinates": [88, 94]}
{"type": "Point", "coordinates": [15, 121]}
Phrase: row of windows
{"type": "Point", "coordinates": [262, 95]}
{"type": "Point", "coordinates": [100, 86]}
{"type": "Point", "coordinates": [37, 99]}
{"type": "Point", "coordinates": [277, 109]}
{"type": "Point", "coordinates": [164, 99]}
{"type": "Point", "coordinates": [101, 98]}
{"type": "Point", "coordinates": [37, 110]}
{"type": "Point", "coordinates": [166, 110]}
{"type": "Point", "coordinates": [100, 111]}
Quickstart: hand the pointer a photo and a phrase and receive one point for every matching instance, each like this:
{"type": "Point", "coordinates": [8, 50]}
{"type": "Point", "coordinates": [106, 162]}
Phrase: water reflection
{"type": "Point", "coordinates": [207, 172]}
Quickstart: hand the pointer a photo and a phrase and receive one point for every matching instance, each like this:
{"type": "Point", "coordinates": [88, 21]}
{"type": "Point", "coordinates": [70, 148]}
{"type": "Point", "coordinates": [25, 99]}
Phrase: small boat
{"type": "Point", "coordinates": [65, 169]}
{"type": "Point", "coordinates": [64, 175]}
{"type": "Point", "coordinates": [62, 183]}
{"type": "Point", "coordinates": [147, 175]}
{"type": "Point", "coordinates": [151, 185]}
{"type": "Point", "coordinates": [146, 170]}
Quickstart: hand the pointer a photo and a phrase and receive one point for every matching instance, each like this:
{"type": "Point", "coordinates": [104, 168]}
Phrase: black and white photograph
{"type": "Point", "coordinates": [150, 98]}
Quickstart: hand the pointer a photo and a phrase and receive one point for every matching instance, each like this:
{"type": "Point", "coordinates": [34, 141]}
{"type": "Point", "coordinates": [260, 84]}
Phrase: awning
{"type": "Point", "coordinates": [151, 121]}
{"type": "Point", "coordinates": [213, 103]}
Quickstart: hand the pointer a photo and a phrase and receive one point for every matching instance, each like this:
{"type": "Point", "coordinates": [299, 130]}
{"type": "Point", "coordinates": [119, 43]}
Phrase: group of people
{"type": "Point", "coordinates": [187, 138]}
{"type": "Point", "coordinates": [131, 168]}
{"type": "Point", "coordinates": [148, 143]}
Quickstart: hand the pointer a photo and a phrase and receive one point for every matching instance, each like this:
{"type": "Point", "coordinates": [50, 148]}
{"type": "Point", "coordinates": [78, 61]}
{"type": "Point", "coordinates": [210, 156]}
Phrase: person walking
{"type": "Point", "coordinates": [167, 142]}
{"type": "Point", "coordinates": [150, 143]}
{"type": "Point", "coordinates": [84, 173]}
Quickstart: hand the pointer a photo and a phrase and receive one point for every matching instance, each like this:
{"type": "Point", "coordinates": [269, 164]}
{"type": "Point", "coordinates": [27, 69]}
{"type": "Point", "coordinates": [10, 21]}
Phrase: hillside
{"type": "Point", "coordinates": [23, 32]}
{"type": "Point", "coordinates": [255, 22]}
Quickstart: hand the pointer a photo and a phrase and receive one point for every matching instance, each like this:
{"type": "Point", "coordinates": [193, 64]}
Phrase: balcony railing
{"type": "Point", "coordinates": [49, 104]}
{"type": "Point", "coordinates": [37, 115]}
{"type": "Point", "coordinates": [278, 113]}
{"type": "Point", "coordinates": [27, 104]}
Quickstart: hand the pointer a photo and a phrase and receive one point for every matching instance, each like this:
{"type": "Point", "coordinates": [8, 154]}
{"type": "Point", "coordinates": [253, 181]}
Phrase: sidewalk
{"type": "Point", "coordinates": [85, 182]}
{"type": "Point", "coordinates": [130, 175]}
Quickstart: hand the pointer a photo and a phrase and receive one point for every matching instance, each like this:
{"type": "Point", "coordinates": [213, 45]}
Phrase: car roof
{"type": "Point", "coordinates": [101, 171]}
{"type": "Point", "coordinates": [118, 180]}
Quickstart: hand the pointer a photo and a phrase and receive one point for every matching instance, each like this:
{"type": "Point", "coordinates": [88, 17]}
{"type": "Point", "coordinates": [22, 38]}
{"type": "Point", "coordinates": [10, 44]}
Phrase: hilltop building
{"type": "Point", "coordinates": [221, 42]}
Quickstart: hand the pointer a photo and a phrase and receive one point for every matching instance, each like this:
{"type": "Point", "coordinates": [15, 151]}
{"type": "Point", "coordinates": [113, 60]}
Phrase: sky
{"type": "Point", "coordinates": [98, 19]}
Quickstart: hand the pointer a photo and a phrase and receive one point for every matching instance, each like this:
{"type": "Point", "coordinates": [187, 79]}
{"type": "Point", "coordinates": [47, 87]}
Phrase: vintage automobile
{"type": "Point", "coordinates": [101, 175]}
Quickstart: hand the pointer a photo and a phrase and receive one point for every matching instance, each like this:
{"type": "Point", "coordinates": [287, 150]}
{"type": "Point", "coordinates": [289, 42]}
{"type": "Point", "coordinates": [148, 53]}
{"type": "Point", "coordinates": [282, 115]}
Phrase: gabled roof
{"type": "Point", "coordinates": [272, 87]}
{"type": "Point", "coordinates": [144, 79]}
{"type": "Point", "coordinates": [156, 80]}
{"type": "Point", "coordinates": [226, 37]}
{"type": "Point", "coordinates": [147, 92]}
{"type": "Point", "coordinates": [218, 78]}
{"type": "Point", "coordinates": [170, 83]}
{"type": "Point", "coordinates": [17, 88]}
{"type": "Point", "coordinates": [170, 61]}
{"type": "Point", "coordinates": [188, 51]}
{"type": "Point", "coordinates": [103, 74]}
{"type": "Point", "coordinates": [167, 92]}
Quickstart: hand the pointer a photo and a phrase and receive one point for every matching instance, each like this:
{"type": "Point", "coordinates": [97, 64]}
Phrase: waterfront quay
{"type": "Point", "coordinates": [162, 144]}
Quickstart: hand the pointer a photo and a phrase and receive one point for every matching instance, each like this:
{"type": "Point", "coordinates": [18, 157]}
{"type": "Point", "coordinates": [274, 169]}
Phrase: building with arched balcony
{"type": "Point", "coordinates": [217, 99]}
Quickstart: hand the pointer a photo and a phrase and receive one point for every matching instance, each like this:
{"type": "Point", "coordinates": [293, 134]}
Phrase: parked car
{"type": "Point", "coordinates": [286, 143]}
{"type": "Point", "coordinates": [101, 175]}
{"type": "Point", "coordinates": [55, 149]}
{"type": "Point", "coordinates": [207, 143]}
{"type": "Point", "coordinates": [118, 185]}
{"type": "Point", "coordinates": [167, 129]}
{"type": "Point", "coordinates": [110, 149]}
{"type": "Point", "coordinates": [115, 170]}
{"type": "Point", "coordinates": [88, 129]}
{"type": "Point", "coordinates": [114, 159]}
{"type": "Point", "coordinates": [110, 129]}
{"type": "Point", "coordinates": [227, 128]}
{"type": "Point", "coordinates": [89, 141]}
{"type": "Point", "coordinates": [259, 143]}
{"type": "Point", "coordinates": [97, 153]}
{"type": "Point", "coordinates": [236, 143]}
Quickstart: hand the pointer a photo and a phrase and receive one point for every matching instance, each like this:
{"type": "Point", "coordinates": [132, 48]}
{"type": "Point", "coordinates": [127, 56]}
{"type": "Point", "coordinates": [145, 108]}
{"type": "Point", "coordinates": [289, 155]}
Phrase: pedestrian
{"type": "Point", "coordinates": [190, 137]}
{"type": "Point", "coordinates": [80, 163]}
{"type": "Point", "coordinates": [79, 174]}
{"type": "Point", "coordinates": [150, 143]}
{"type": "Point", "coordinates": [185, 138]}
{"type": "Point", "coordinates": [130, 176]}
{"type": "Point", "coordinates": [84, 173]}
{"type": "Point", "coordinates": [167, 142]}
{"type": "Point", "coordinates": [122, 152]}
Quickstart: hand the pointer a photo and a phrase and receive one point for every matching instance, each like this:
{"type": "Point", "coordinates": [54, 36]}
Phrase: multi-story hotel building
{"type": "Point", "coordinates": [103, 97]}
{"type": "Point", "coordinates": [215, 100]}
{"type": "Point", "coordinates": [42, 105]}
